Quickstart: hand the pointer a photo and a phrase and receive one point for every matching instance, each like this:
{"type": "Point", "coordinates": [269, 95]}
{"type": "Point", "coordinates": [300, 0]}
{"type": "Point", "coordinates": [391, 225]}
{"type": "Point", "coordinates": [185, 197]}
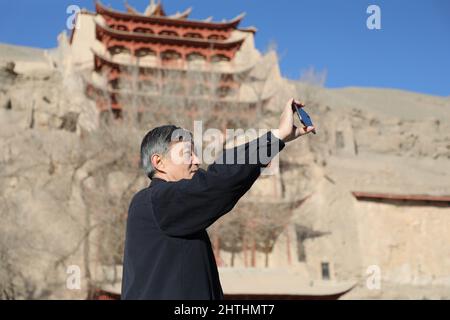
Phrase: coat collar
{"type": "Point", "coordinates": [156, 181]}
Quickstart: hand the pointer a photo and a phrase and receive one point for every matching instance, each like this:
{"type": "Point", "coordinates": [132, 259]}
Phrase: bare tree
{"type": "Point", "coordinates": [311, 81]}
{"type": "Point", "coordinates": [254, 227]}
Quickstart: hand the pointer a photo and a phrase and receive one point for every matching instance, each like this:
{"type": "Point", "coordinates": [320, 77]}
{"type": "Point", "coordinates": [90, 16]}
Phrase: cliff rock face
{"type": "Point", "coordinates": [66, 182]}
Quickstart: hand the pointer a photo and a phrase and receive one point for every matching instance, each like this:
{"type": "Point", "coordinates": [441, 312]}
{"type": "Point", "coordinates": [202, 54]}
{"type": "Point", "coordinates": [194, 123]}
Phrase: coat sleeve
{"type": "Point", "coordinates": [186, 207]}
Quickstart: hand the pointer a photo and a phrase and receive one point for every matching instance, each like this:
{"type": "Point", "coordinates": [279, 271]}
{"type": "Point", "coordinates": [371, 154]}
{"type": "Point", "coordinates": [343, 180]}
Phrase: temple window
{"type": "Point", "coordinates": [170, 55]}
{"type": "Point", "coordinates": [114, 84]}
{"type": "Point", "coordinates": [219, 58]}
{"type": "Point", "coordinates": [121, 27]}
{"type": "Point", "coordinates": [117, 113]}
{"type": "Point", "coordinates": [195, 56]}
{"type": "Point", "coordinates": [168, 33]}
{"type": "Point", "coordinates": [142, 52]}
{"type": "Point", "coordinates": [193, 35]}
{"type": "Point", "coordinates": [118, 49]}
{"type": "Point", "coordinates": [227, 77]}
{"type": "Point", "coordinates": [143, 30]}
{"type": "Point", "coordinates": [325, 266]}
{"type": "Point", "coordinates": [224, 91]}
{"type": "Point", "coordinates": [216, 37]}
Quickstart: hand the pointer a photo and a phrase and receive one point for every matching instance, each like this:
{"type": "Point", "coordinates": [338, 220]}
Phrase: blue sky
{"type": "Point", "coordinates": [410, 52]}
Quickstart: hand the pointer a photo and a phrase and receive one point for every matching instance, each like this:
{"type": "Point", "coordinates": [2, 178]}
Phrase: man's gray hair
{"type": "Point", "coordinates": [157, 141]}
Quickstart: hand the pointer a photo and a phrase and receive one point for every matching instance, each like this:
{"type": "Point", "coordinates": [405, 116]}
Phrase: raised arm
{"type": "Point", "coordinates": [186, 207]}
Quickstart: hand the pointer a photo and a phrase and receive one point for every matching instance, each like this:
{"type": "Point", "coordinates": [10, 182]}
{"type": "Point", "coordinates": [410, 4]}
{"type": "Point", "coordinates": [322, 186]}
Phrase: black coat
{"type": "Point", "coordinates": [168, 254]}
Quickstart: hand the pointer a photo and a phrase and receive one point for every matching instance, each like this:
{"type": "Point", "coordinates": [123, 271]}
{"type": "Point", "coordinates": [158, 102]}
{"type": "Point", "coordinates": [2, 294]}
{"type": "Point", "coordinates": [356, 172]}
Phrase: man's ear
{"type": "Point", "coordinates": [157, 162]}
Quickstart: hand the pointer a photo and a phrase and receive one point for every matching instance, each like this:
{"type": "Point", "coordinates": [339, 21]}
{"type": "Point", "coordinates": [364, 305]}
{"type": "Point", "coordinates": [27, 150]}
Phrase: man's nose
{"type": "Point", "coordinates": [195, 159]}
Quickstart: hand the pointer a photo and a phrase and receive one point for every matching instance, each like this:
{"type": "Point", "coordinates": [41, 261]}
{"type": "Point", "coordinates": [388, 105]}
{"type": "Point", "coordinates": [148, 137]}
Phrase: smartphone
{"type": "Point", "coordinates": [304, 117]}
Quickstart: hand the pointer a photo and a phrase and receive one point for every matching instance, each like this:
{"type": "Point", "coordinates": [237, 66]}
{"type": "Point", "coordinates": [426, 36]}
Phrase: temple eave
{"type": "Point", "coordinates": [100, 92]}
{"type": "Point", "coordinates": [120, 65]}
{"type": "Point", "coordinates": [182, 15]}
{"type": "Point", "coordinates": [168, 39]}
{"type": "Point", "coordinates": [400, 197]}
{"type": "Point", "coordinates": [249, 29]}
{"type": "Point", "coordinates": [103, 10]}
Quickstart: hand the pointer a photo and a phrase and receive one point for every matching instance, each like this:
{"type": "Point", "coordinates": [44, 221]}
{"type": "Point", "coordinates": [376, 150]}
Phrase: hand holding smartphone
{"type": "Point", "coordinates": [304, 117]}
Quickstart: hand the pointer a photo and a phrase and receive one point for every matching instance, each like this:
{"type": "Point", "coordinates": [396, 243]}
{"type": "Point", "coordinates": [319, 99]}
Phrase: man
{"type": "Point", "coordinates": [168, 254]}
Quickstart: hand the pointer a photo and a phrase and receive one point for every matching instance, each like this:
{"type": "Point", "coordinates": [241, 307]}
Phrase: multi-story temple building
{"type": "Point", "coordinates": [139, 57]}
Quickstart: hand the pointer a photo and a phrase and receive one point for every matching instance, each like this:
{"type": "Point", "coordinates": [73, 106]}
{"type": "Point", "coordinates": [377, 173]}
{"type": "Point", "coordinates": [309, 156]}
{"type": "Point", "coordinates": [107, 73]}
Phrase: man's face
{"type": "Point", "coordinates": [181, 162]}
